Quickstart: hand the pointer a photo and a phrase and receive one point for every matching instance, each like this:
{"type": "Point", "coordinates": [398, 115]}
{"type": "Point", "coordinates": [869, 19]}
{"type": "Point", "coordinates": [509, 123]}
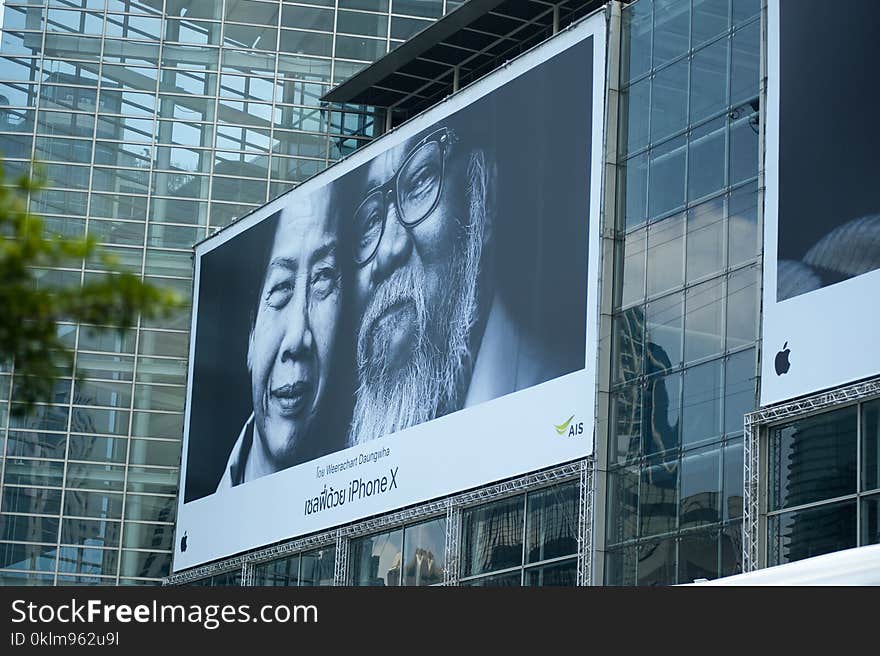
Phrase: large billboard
{"type": "Point", "coordinates": [822, 202]}
{"type": "Point", "coordinates": [417, 320]}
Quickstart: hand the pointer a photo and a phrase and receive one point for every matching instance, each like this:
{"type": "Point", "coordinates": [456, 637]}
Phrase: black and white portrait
{"type": "Point", "coordinates": [447, 270]}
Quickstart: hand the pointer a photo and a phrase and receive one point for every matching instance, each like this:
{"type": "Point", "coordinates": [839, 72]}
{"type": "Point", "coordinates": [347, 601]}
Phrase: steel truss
{"type": "Point", "coordinates": [585, 525]}
{"type": "Point", "coordinates": [755, 424]}
{"type": "Point", "coordinates": [450, 507]}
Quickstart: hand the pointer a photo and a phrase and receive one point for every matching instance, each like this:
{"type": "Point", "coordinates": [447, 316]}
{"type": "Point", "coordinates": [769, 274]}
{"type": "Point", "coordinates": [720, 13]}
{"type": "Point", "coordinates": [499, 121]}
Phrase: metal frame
{"type": "Point", "coordinates": [450, 507]}
{"type": "Point", "coordinates": [755, 425]}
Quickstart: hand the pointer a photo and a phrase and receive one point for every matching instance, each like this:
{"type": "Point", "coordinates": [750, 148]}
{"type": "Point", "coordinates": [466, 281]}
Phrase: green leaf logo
{"type": "Point", "coordinates": [561, 428]}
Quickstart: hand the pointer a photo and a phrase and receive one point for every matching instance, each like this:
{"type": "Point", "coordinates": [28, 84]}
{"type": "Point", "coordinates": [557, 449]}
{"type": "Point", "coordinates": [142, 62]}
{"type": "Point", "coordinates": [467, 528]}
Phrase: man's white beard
{"type": "Point", "coordinates": [433, 381]}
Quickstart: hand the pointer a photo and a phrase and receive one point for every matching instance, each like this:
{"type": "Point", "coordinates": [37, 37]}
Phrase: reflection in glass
{"type": "Point", "coordinates": [667, 176]}
{"type": "Point", "coordinates": [739, 389]}
{"type": "Point", "coordinates": [633, 188]}
{"type": "Point", "coordinates": [493, 536]}
{"type": "Point", "coordinates": [623, 505]}
{"type": "Point", "coordinates": [705, 245]}
{"type": "Point", "coordinates": [805, 533]}
{"type": "Point", "coordinates": [280, 572]}
{"type": "Point", "coordinates": [709, 81]}
{"type": "Point", "coordinates": [318, 567]}
{"type": "Point", "coordinates": [665, 254]}
{"type": "Point", "coordinates": [376, 559]}
{"type": "Point", "coordinates": [625, 441]}
{"type": "Point", "coordinates": [634, 103]}
{"type": "Point", "coordinates": [702, 403]}
{"type": "Point", "coordinates": [663, 334]}
{"type": "Point", "coordinates": [710, 18]}
{"type": "Point", "coordinates": [636, 20]}
{"type": "Point", "coordinates": [669, 94]}
{"type": "Point", "coordinates": [629, 331]}
{"type": "Point", "coordinates": [703, 323]}
{"type": "Point", "coordinates": [698, 556]}
{"type": "Point", "coordinates": [633, 267]}
{"type": "Point", "coordinates": [558, 574]}
{"type": "Point", "coordinates": [870, 445]}
{"type": "Point", "coordinates": [661, 415]}
{"type": "Point", "coordinates": [700, 487]}
{"type": "Point", "coordinates": [870, 520]}
{"type": "Point", "coordinates": [742, 307]}
{"type": "Point", "coordinates": [424, 553]}
{"type": "Point", "coordinates": [743, 224]}
{"type": "Point", "coordinates": [732, 504]}
{"type": "Point", "coordinates": [657, 562]}
{"type": "Point", "coordinates": [658, 504]}
{"type": "Point", "coordinates": [552, 520]}
{"type": "Point", "coordinates": [706, 157]}
{"type": "Point", "coordinates": [813, 459]}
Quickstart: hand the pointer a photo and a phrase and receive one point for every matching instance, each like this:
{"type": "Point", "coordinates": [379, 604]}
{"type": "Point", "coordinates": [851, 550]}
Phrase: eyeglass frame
{"type": "Point", "coordinates": [444, 137]}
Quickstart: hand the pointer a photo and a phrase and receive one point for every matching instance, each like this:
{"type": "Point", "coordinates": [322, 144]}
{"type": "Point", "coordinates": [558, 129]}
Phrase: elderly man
{"type": "Point", "coordinates": [434, 336]}
{"type": "Point", "coordinates": [291, 343]}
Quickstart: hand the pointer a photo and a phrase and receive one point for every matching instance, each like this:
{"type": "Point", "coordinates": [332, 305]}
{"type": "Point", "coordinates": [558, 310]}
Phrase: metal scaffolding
{"type": "Point", "coordinates": [755, 425]}
{"type": "Point", "coordinates": [450, 507]}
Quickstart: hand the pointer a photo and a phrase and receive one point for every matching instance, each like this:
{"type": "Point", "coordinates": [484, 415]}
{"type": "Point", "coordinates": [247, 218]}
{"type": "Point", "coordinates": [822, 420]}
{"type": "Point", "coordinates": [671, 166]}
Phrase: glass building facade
{"type": "Point", "coordinates": [156, 122]}
{"type": "Point", "coordinates": [685, 317]}
{"type": "Point", "coordinates": [160, 121]}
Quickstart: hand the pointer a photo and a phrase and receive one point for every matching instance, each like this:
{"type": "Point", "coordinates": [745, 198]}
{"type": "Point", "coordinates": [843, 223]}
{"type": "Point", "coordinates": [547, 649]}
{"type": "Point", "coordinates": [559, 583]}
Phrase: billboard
{"type": "Point", "coordinates": [417, 320]}
{"type": "Point", "coordinates": [822, 201]}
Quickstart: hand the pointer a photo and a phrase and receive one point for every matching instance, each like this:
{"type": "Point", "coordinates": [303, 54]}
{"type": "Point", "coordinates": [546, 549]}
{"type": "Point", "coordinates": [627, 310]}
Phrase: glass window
{"type": "Point", "coordinates": [635, 105]}
{"type": "Point", "coordinates": [666, 254]}
{"type": "Point", "coordinates": [145, 564]}
{"type": "Point", "coordinates": [26, 556]}
{"type": "Point", "coordinates": [404, 28]}
{"type": "Point", "coordinates": [102, 505]}
{"type": "Point", "coordinates": [633, 267]}
{"type": "Point", "coordinates": [811, 532]}
{"type": "Point", "coordinates": [657, 562]}
{"type": "Point", "coordinates": [26, 444]}
{"type": "Point", "coordinates": [702, 403]}
{"type": "Point", "coordinates": [698, 556]}
{"type": "Point", "coordinates": [663, 333]}
{"type": "Point", "coordinates": [317, 567]}
{"type": "Point", "coordinates": [744, 148]}
{"type": "Point", "coordinates": [90, 532]}
{"type": "Point", "coordinates": [709, 81]}
{"type": "Point", "coordinates": [710, 19]}
{"type": "Point", "coordinates": [732, 503]}
{"type": "Point", "coordinates": [31, 500]}
{"type": "Point", "coordinates": [813, 459]}
{"type": "Point", "coordinates": [424, 553]}
{"type": "Point", "coordinates": [743, 10]}
{"type": "Point", "coordinates": [552, 523]}
{"type": "Point", "coordinates": [743, 224]}
{"type": "Point", "coordinates": [870, 445]}
{"type": "Point", "coordinates": [492, 537]}
{"type": "Point", "coordinates": [353, 22]}
{"type": "Point", "coordinates": [705, 240]}
{"type": "Point", "coordinates": [706, 159]}
{"type": "Point", "coordinates": [512, 579]}
{"type": "Point", "coordinates": [147, 536]}
{"type": "Point", "coordinates": [305, 43]}
{"type": "Point", "coordinates": [742, 307]}
{"type": "Point", "coordinates": [149, 508]}
{"type": "Point", "coordinates": [95, 476]}
{"type": "Point", "coordinates": [662, 413]}
{"type": "Point", "coordinates": [672, 25]}
{"type": "Point", "coordinates": [248, 11]}
{"type": "Point", "coordinates": [279, 572]}
{"type": "Point", "coordinates": [21, 528]}
{"type": "Point", "coordinates": [669, 98]}
{"type": "Point", "coordinates": [731, 549]}
{"type": "Point", "coordinates": [704, 320]}
{"type": "Point", "coordinates": [152, 480]}
{"type": "Point", "coordinates": [350, 47]}
{"type": "Point", "coordinates": [667, 178]}
{"type": "Point", "coordinates": [167, 425]}
{"type": "Point", "coordinates": [745, 60]}
{"type": "Point", "coordinates": [154, 452]}
{"type": "Point", "coordinates": [97, 449]}
{"type": "Point", "coordinates": [620, 564]}
{"type": "Point", "coordinates": [623, 504]}
{"type": "Point", "coordinates": [658, 502]}
{"type": "Point", "coordinates": [368, 5]}
{"type": "Point", "coordinates": [625, 442]}
{"type": "Point", "coordinates": [870, 520]}
{"type": "Point", "coordinates": [41, 418]}
{"type": "Point", "coordinates": [700, 487]}
{"type": "Point", "coordinates": [629, 328]}
{"type": "Point", "coordinates": [633, 189]}
{"type": "Point", "coordinates": [558, 574]}
{"type": "Point", "coordinates": [739, 389]}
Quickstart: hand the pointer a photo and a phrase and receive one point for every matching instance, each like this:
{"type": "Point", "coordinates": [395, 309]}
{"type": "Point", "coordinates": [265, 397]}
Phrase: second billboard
{"type": "Point", "coordinates": [418, 320]}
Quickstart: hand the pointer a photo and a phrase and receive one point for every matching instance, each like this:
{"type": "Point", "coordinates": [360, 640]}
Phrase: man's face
{"type": "Point", "coordinates": [416, 290]}
{"type": "Point", "coordinates": [293, 335]}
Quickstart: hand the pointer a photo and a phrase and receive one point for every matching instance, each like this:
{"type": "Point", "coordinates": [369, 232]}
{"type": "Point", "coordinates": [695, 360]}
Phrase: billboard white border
{"type": "Point", "coordinates": [243, 537]}
{"type": "Point", "coordinates": [830, 332]}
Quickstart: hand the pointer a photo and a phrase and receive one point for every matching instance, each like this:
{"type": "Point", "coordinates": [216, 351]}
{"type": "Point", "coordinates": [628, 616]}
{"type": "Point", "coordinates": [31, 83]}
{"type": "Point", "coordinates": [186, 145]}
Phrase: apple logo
{"type": "Point", "coordinates": [781, 363]}
{"type": "Point", "coordinates": [183, 542]}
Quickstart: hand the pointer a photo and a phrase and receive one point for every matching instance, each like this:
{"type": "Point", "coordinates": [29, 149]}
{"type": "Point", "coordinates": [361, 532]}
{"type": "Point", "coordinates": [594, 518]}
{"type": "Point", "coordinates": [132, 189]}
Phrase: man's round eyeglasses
{"type": "Point", "coordinates": [414, 189]}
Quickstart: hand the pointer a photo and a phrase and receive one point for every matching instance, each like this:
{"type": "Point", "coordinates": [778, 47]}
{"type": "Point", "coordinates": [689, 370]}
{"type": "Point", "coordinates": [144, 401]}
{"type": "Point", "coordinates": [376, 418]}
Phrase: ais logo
{"type": "Point", "coordinates": [569, 429]}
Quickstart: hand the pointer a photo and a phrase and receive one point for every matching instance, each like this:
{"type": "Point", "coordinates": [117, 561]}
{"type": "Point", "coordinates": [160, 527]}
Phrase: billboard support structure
{"type": "Point", "coordinates": [755, 426]}
{"type": "Point", "coordinates": [585, 525]}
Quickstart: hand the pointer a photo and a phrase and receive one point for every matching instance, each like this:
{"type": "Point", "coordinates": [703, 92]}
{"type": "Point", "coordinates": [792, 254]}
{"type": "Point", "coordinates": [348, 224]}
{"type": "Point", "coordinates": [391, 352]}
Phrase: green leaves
{"type": "Point", "coordinates": [30, 308]}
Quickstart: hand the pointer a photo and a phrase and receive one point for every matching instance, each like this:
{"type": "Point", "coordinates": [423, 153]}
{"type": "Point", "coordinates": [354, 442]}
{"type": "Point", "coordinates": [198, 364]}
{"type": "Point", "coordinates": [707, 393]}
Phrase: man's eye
{"type": "Point", "coordinates": [325, 281]}
{"type": "Point", "coordinates": [279, 294]}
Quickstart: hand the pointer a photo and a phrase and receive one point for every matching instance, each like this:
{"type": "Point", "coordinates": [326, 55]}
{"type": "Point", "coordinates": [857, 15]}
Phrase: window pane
{"type": "Point", "coordinates": [145, 564]}
{"type": "Point", "coordinates": [510, 580]}
{"type": "Point", "coordinates": [703, 324]}
{"type": "Point", "coordinates": [744, 149]}
{"type": "Point", "coordinates": [150, 508]}
{"type": "Point", "coordinates": [626, 439]}
{"type": "Point", "coordinates": [745, 63]}
{"type": "Point", "coordinates": [31, 500]}
{"type": "Point", "coordinates": [672, 26]}
{"type": "Point", "coordinates": [702, 403]}
{"type": "Point", "coordinates": [492, 536]}
{"type": "Point", "coordinates": [633, 190]}
{"type": "Point", "coordinates": [318, 567]}
{"type": "Point", "coordinates": [705, 239]}
{"type": "Point", "coordinates": [665, 254]}
{"type": "Point", "coordinates": [623, 505]}
{"type": "Point", "coordinates": [20, 528]}
{"type": "Point", "coordinates": [700, 487]}
{"type": "Point", "coordinates": [102, 505]}
{"type": "Point", "coordinates": [564, 574]}
{"type": "Point", "coordinates": [663, 333]}
{"type": "Point", "coordinates": [281, 572]}
{"type": "Point", "coordinates": [870, 445]}
{"type": "Point", "coordinates": [742, 308]}
{"type": "Point", "coordinates": [633, 268]}
{"type": "Point", "coordinates": [658, 503]}
{"type": "Point", "coordinates": [706, 159]}
{"type": "Point", "coordinates": [743, 224]}
{"type": "Point", "coordinates": [552, 522]}
{"type": "Point", "coordinates": [634, 112]}
{"type": "Point", "coordinates": [629, 327]}
{"type": "Point", "coordinates": [376, 559]}
{"type": "Point", "coordinates": [424, 553]}
{"type": "Point", "coordinates": [90, 532]}
{"type": "Point", "coordinates": [662, 413]}
{"type": "Point", "coordinates": [657, 563]}
{"type": "Point", "coordinates": [709, 81]}
{"type": "Point", "coordinates": [35, 445]}
{"type": "Point", "coordinates": [739, 389]}
{"type": "Point", "coordinates": [871, 520]}
{"type": "Point", "coordinates": [667, 178]}
{"type": "Point", "coordinates": [669, 97]}
{"type": "Point", "coordinates": [710, 18]}
{"type": "Point", "coordinates": [152, 536]}
{"type": "Point", "coordinates": [636, 42]}
{"type": "Point", "coordinates": [698, 556]}
{"type": "Point", "coordinates": [813, 459]}
{"type": "Point", "coordinates": [732, 505]}
{"type": "Point", "coordinates": [806, 533]}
